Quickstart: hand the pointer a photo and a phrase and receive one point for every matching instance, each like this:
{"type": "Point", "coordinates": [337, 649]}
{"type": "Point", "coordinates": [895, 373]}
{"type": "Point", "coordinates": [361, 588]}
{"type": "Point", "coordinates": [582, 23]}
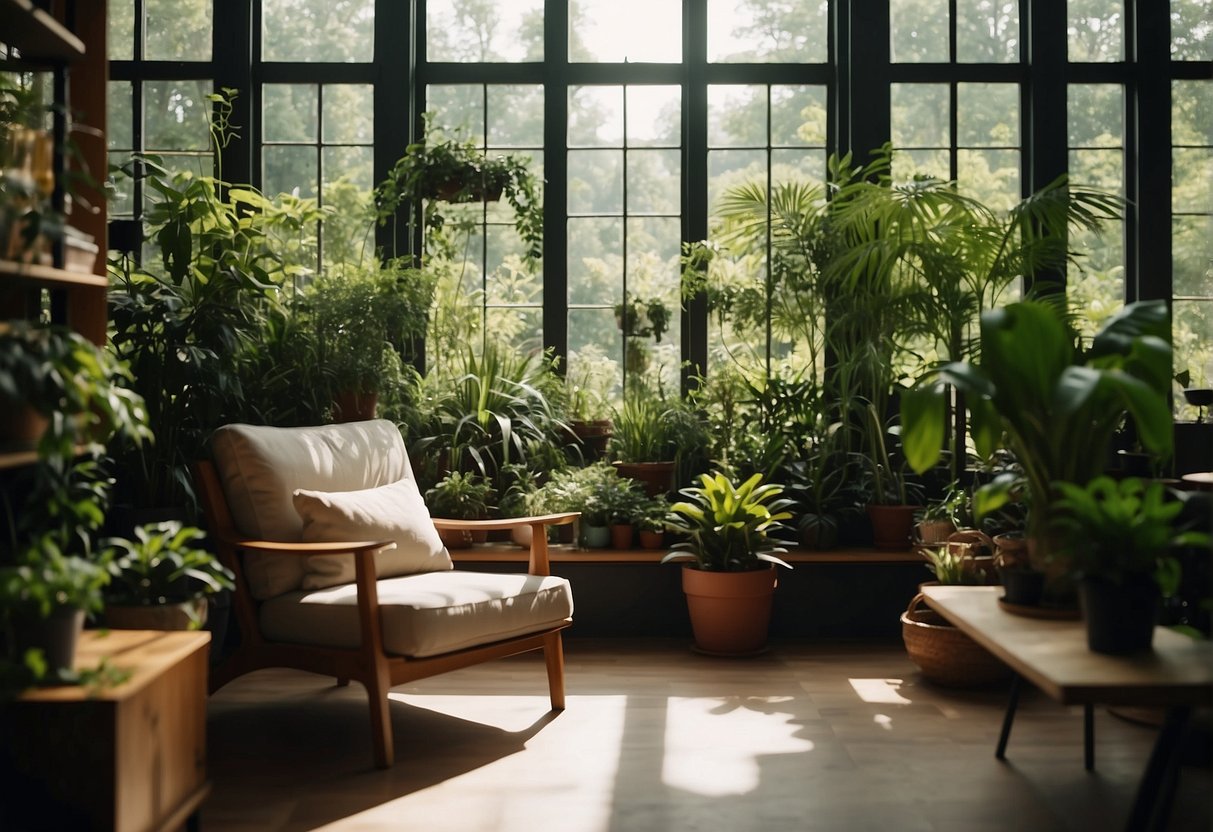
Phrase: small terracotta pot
{"type": "Point", "coordinates": [621, 535]}
{"type": "Point", "coordinates": [651, 539]}
{"type": "Point", "coordinates": [352, 406]}
{"type": "Point", "coordinates": [891, 525]}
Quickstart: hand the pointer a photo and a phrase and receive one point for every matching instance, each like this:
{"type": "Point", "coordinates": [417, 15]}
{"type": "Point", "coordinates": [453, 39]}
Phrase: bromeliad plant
{"type": "Point", "coordinates": [728, 527]}
{"type": "Point", "coordinates": [163, 565]}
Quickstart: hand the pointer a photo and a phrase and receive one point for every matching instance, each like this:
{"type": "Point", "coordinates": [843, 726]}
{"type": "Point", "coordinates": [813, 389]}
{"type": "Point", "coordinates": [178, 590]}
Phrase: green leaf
{"type": "Point", "coordinates": [922, 425]}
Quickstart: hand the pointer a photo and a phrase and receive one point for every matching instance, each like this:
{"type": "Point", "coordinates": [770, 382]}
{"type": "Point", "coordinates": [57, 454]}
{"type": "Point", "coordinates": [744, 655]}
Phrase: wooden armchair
{"type": "Point", "coordinates": [339, 569]}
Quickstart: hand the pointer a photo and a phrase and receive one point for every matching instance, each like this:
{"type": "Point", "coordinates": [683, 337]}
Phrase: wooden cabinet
{"type": "Point", "coordinates": [126, 758]}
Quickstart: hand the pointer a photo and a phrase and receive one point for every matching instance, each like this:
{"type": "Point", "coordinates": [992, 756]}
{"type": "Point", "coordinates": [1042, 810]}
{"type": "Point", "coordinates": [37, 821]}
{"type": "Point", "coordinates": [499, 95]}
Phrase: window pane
{"type": "Point", "coordinates": [730, 168]}
{"type": "Point", "coordinates": [515, 115]}
{"type": "Point", "coordinates": [178, 30]}
{"type": "Point", "coordinates": [767, 31]}
{"type": "Point", "coordinates": [595, 116]}
{"type": "Point", "coordinates": [1192, 336]}
{"type": "Point", "coordinates": [1193, 256]}
{"type": "Point", "coordinates": [1192, 30]}
{"type": "Point", "coordinates": [920, 115]}
{"type": "Point", "coordinates": [120, 33]}
{"type": "Point", "coordinates": [1095, 286]}
{"type": "Point", "coordinates": [919, 31]}
{"type": "Point", "coordinates": [520, 328]}
{"type": "Point", "coordinates": [292, 112]}
{"type": "Point", "coordinates": [176, 115]}
{"type": "Point", "coordinates": [507, 281]}
{"type": "Point", "coordinates": [798, 116]}
{"type": "Point", "coordinates": [458, 108]}
{"type": "Point", "coordinates": [318, 30]}
{"type": "Point", "coordinates": [349, 113]}
{"type": "Point", "coordinates": [737, 116]}
{"type": "Point", "coordinates": [118, 133]}
{"type": "Point", "coordinates": [594, 348]}
{"type": "Point", "coordinates": [638, 31]}
{"type": "Point", "coordinates": [654, 181]}
{"type": "Point", "coordinates": [1096, 115]}
{"type": "Point", "coordinates": [595, 181]}
{"type": "Point", "coordinates": [801, 165]}
{"type": "Point", "coordinates": [991, 176]}
{"type": "Point", "coordinates": [1192, 113]}
{"type": "Point", "coordinates": [654, 116]}
{"type": "Point", "coordinates": [504, 30]}
{"type": "Point", "coordinates": [1103, 169]}
{"type": "Point", "coordinates": [289, 170]}
{"type": "Point", "coordinates": [348, 164]}
{"type": "Point", "coordinates": [595, 259]}
{"type": "Point", "coordinates": [910, 163]}
{"type": "Point", "coordinates": [987, 31]}
{"type": "Point", "coordinates": [987, 115]}
{"type": "Point", "coordinates": [1096, 30]}
{"type": "Point", "coordinates": [1192, 174]}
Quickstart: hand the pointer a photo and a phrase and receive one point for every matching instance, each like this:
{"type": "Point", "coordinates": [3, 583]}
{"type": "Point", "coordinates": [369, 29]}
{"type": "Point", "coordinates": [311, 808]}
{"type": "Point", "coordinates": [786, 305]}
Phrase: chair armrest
{"type": "Point", "coordinates": [505, 522]}
{"type": "Point", "coordinates": [286, 547]}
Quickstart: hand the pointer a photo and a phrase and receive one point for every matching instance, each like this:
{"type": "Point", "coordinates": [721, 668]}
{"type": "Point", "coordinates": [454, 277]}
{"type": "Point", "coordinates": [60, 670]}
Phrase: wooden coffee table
{"type": "Point", "coordinates": [1053, 656]}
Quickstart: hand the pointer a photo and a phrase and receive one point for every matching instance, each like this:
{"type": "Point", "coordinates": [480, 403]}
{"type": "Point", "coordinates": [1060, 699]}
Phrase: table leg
{"type": "Point", "coordinates": [1152, 804]}
{"type": "Point", "coordinates": [1012, 703]}
{"type": "Point", "coordinates": [1088, 736]}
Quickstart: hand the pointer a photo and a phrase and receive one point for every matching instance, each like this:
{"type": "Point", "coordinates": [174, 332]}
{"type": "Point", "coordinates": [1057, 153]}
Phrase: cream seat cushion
{"type": "Point", "coordinates": [261, 467]}
{"type": "Point", "coordinates": [423, 615]}
{"type": "Point", "coordinates": [390, 512]}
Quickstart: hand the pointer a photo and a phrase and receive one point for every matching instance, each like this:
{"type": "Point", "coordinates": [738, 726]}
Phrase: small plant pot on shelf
{"type": "Point", "coordinates": [891, 525]}
{"type": "Point", "coordinates": [456, 538]}
{"type": "Point", "coordinates": [930, 532]}
{"type": "Point", "coordinates": [594, 435]}
{"type": "Point", "coordinates": [621, 535]}
{"type": "Point", "coordinates": [1120, 618]}
{"type": "Point", "coordinates": [183, 615]}
{"type": "Point", "coordinates": [657, 478]}
{"type": "Point", "coordinates": [351, 406]}
{"type": "Point", "coordinates": [730, 611]}
{"type": "Point", "coordinates": [596, 537]}
{"type": "Point", "coordinates": [55, 635]}
{"type": "Point", "coordinates": [650, 539]}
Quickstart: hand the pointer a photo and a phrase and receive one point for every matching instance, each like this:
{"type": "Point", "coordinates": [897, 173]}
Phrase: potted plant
{"type": "Point", "coordinates": [363, 318]}
{"type": "Point", "coordinates": [1119, 539]}
{"type": "Point", "coordinates": [445, 168]}
{"type": "Point", "coordinates": [160, 580]}
{"type": "Point", "coordinates": [624, 503]}
{"type": "Point", "coordinates": [460, 496]}
{"type": "Point", "coordinates": [640, 444]}
{"type": "Point", "coordinates": [1052, 402]}
{"type": "Point", "coordinates": [939, 518]}
{"type": "Point", "coordinates": [731, 580]}
{"type": "Point", "coordinates": [889, 505]}
{"type": "Point", "coordinates": [651, 525]}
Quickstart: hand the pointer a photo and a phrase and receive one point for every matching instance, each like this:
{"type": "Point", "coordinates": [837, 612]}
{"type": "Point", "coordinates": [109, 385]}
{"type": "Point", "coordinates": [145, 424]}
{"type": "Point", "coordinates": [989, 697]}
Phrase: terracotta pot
{"type": "Point", "coordinates": [352, 406]}
{"type": "Point", "coordinates": [730, 611]}
{"type": "Point", "coordinates": [456, 538]}
{"type": "Point", "coordinates": [20, 423]}
{"type": "Point", "coordinates": [651, 539]}
{"type": "Point", "coordinates": [656, 477]}
{"type": "Point", "coordinates": [933, 531]}
{"type": "Point", "coordinates": [891, 525]}
{"type": "Point", "coordinates": [621, 535]}
{"type": "Point", "coordinates": [178, 616]}
{"type": "Point", "coordinates": [593, 435]}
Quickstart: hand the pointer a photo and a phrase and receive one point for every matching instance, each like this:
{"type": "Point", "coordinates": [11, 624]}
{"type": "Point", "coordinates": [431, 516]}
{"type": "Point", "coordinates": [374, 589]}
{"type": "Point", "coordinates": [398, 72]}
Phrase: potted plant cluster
{"type": "Point", "coordinates": [1054, 404]}
{"type": "Point", "coordinates": [460, 496]}
{"type": "Point", "coordinates": [52, 510]}
{"type": "Point", "coordinates": [1120, 540]}
{"type": "Point", "coordinates": [730, 581]}
{"type": "Point", "coordinates": [161, 579]}
{"type": "Point", "coordinates": [641, 446]}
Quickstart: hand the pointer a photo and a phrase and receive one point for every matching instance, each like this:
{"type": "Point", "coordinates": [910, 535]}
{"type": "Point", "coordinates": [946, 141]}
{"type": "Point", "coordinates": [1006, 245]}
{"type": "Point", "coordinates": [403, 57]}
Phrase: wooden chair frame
{"type": "Point", "coordinates": [369, 664]}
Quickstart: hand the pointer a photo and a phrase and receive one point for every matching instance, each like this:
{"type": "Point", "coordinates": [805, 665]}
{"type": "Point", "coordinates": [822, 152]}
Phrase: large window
{"type": "Point", "coordinates": [644, 118]}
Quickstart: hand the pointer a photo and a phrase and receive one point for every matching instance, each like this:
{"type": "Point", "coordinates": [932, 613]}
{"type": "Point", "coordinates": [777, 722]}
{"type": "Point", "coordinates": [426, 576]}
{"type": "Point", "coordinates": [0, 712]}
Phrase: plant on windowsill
{"type": "Point", "coordinates": [939, 518]}
{"type": "Point", "coordinates": [443, 168]}
{"type": "Point", "coordinates": [160, 580]}
{"type": "Point", "coordinates": [640, 444]}
{"type": "Point", "coordinates": [1119, 540]}
{"type": "Point", "coordinates": [892, 496]}
{"type": "Point", "coordinates": [731, 580]}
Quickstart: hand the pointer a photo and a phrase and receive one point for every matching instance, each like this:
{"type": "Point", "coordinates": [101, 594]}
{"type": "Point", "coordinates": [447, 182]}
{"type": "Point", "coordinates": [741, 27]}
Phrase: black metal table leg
{"type": "Point", "coordinates": [1012, 703]}
{"type": "Point", "coordinates": [1088, 736]}
{"type": "Point", "coordinates": [1152, 802]}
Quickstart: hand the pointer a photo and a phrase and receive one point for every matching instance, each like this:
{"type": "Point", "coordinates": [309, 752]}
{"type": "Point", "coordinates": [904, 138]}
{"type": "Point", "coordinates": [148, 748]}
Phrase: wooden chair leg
{"type": "Point", "coordinates": [381, 720]}
{"type": "Point", "coordinates": [553, 654]}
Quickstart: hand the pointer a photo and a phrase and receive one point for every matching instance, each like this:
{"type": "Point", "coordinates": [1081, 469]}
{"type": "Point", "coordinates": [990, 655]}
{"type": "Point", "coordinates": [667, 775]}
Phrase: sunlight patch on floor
{"type": "Point", "coordinates": [710, 742]}
{"type": "Point", "coordinates": [879, 691]}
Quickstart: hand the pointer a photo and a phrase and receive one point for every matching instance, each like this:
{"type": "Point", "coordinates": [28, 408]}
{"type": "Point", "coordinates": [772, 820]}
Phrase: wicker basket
{"type": "Point", "coordinates": [945, 655]}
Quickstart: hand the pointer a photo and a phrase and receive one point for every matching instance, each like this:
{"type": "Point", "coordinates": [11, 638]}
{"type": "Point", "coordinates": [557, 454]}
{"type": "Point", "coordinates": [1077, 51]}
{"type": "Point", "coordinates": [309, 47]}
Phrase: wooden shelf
{"type": "Point", "coordinates": [16, 457]}
{"type": "Point", "coordinates": [48, 277]}
{"type": "Point", "coordinates": [36, 34]}
{"type": "Point", "coordinates": [506, 553]}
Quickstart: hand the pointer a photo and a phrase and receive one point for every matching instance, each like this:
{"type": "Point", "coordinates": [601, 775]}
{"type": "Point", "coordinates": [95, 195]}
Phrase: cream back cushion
{"type": "Point", "coordinates": [390, 512]}
{"type": "Point", "coordinates": [260, 468]}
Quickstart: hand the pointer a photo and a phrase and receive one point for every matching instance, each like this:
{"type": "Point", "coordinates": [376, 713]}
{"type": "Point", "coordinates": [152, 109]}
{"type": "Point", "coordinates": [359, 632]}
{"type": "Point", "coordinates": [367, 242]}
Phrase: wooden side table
{"type": "Point", "coordinates": [123, 758]}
